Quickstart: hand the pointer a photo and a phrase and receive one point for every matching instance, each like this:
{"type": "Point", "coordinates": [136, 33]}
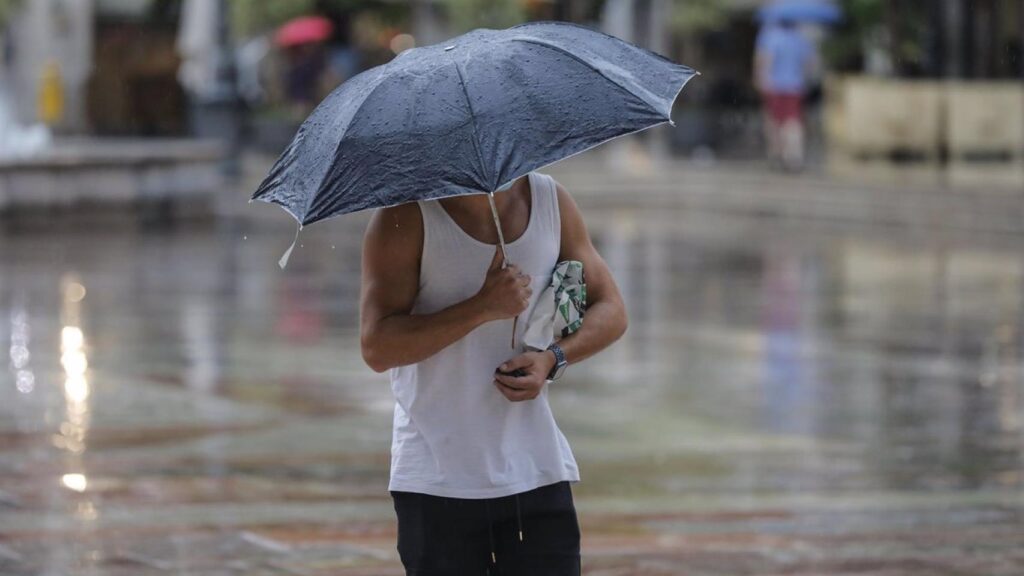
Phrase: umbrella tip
{"type": "Point", "coordinates": [283, 261]}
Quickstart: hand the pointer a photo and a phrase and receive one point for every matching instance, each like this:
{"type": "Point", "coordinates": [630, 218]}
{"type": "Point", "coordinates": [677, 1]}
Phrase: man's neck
{"type": "Point", "coordinates": [478, 205]}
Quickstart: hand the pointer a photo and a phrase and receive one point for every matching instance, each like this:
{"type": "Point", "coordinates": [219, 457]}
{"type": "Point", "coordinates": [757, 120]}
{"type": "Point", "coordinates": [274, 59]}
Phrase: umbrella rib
{"type": "Point", "coordinates": [646, 97]}
{"type": "Point", "coordinates": [472, 117]}
{"type": "Point", "coordinates": [337, 148]}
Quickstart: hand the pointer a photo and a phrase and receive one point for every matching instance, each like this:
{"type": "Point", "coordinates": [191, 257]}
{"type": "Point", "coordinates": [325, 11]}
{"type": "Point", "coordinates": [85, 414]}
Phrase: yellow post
{"type": "Point", "coordinates": [51, 95]}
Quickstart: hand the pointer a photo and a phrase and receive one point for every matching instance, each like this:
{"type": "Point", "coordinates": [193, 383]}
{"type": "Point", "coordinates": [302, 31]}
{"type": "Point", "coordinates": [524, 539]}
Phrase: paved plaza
{"type": "Point", "coordinates": [820, 378]}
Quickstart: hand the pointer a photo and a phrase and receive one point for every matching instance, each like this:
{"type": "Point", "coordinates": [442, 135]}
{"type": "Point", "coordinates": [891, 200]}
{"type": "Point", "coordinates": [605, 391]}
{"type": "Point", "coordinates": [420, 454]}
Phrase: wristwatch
{"type": "Point", "coordinates": [560, 363]}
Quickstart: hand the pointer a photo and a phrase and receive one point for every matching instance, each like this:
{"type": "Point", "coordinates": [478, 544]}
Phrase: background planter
{"type": "Point", "coordinates": [968, 133]}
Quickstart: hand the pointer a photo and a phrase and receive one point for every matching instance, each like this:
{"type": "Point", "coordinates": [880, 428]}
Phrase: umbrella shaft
{"type": "Point", "coordinates": [504, 255]}
{"type": "Point", "coordinates": [497, 224]}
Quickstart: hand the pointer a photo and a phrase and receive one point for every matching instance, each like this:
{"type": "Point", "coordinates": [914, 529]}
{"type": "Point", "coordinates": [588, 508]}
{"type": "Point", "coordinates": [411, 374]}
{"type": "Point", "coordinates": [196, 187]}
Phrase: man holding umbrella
{"type": "Point", "coordinates": [486, 477]}
{"type": "Point", "coordinates": [445, 141]}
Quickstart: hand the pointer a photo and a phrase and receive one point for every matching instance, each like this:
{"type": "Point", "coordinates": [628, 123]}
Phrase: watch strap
{"type": "Point", "coordinates": [559, 360]}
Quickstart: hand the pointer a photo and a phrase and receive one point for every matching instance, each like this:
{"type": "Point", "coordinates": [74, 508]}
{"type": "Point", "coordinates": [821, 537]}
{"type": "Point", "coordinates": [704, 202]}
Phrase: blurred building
{"type": "Point", "coordinates": [111, 64]}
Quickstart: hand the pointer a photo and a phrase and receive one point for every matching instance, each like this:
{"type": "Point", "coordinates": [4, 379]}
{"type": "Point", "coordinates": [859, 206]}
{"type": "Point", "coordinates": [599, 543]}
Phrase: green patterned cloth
{"type": "Point", "coordinates": [559, 310]}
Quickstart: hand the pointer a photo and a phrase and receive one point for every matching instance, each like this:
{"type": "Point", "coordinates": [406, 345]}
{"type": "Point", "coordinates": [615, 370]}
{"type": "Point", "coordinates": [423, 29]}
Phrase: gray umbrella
{"type": "Point", "coordinates": [468, 116]}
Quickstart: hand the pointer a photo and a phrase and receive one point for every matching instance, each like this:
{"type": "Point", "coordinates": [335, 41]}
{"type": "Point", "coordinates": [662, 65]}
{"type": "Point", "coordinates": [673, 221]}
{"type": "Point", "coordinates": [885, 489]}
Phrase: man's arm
{"type": "Point", "coordinates": [390, 335]}
{"type": "Point", "coordinates": [605, 320]}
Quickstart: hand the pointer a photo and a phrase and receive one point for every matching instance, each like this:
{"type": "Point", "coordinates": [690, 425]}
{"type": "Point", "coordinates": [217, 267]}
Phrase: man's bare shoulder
{"type": "Point", "coordinates": [567, 207]}
{"type": "Point", "coordinates": [396, 224]}
{"type": "Point", "coordinates": [560, 191]}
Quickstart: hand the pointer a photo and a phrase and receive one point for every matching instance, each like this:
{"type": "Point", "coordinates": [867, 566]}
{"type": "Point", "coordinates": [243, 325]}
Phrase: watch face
{"type": "Point", "coordinates": [559, 370]}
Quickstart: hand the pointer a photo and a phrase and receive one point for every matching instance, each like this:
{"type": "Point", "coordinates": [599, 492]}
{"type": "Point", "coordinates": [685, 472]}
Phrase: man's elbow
{"type": "Point", "coordinates": [373, 355]}
{"type": "Point", "coordinates": [623, 322]}
{"type": "Point", "coordinates": [375, 363]}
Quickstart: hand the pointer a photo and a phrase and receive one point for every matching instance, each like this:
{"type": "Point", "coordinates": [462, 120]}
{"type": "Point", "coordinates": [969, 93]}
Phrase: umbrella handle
{"type": "Point", "coordinates": [504, 254]}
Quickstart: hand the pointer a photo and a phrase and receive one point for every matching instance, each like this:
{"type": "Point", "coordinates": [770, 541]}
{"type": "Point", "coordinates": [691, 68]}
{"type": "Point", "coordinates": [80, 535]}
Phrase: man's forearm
{"type": "Point", "coordinates": [403, 339]}
{"type": "Point", "coordinates": [603, 324]}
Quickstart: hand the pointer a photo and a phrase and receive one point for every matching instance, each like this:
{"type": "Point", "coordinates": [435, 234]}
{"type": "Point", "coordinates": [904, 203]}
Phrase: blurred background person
{"type": "Point", "coordinates": [304, 43]}
{"type": "Point", "coordinates": [783, 60]}
{"type": "Point", "coordinates": [306, 62]}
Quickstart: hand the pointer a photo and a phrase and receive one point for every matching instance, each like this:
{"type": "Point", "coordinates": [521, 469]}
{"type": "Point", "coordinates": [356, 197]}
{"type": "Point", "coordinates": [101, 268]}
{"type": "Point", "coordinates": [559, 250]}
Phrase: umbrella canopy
{"type": "Point", "coordinates": [468, 116]}
{"type": "Point", "coordinates": [303, 30]}
{"type": "Point", "coordinates": [800, 11]}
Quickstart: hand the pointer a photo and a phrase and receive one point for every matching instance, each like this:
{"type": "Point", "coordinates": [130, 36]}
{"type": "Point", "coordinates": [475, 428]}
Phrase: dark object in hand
{"type": "Point", "coordinates": [517, 373]}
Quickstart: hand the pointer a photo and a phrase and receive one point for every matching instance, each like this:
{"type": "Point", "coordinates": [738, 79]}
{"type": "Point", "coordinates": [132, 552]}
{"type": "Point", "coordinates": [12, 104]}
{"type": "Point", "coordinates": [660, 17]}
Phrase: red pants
{"type": "Point", "coordinates": [783, 107]}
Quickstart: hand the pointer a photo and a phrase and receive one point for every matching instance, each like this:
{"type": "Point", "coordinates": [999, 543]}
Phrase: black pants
{"type": "Point", "coordinates": [469, 537]}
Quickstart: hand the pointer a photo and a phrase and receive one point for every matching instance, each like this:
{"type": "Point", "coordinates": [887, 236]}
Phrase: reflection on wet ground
{"type": "Point", "coordinates": [792, 398]}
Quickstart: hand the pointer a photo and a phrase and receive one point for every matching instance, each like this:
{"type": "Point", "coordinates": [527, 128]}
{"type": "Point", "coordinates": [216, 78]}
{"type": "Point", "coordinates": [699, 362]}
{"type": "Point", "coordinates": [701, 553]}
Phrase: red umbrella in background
{"type": "Point", "coordinates": [303, 30]}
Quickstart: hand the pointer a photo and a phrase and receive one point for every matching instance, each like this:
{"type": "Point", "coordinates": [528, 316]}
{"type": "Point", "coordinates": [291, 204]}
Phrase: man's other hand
{"type": "Point", "coordinates": [536, 365]}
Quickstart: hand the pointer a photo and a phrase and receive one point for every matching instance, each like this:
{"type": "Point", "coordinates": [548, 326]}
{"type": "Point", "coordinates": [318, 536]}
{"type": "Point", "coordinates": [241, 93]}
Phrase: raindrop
{"type": "Point", "coordinates": [245, 237]}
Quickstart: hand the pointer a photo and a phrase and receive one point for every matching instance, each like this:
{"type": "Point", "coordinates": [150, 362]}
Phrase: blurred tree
{"type": "Point", "coordinates": [699, 16]}
{"type": "Point", "coordinates": [862, 21]}
{"type": "Point", "coordinates": [468, 14]}
{"type": "Point", "coordinates": [7, 9]}
{"type": "Point", "coordinates": [899, 29]}
{"type": "Point", "coordinates": [255, 16]}
{"type": "Point", "coordinates": [909, 28]}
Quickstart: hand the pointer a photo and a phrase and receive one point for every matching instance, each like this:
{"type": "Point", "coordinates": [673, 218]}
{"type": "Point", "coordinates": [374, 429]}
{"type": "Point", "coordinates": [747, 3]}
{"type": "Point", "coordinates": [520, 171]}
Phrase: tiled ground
{"type": "Point", "coordinates": [801, 392]}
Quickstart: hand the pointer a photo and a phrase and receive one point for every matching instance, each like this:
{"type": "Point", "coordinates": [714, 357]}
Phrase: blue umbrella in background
{"type": "Point", "coordinates": [820, 12]}
{"type": "Point", "coordinates": [469, 116]}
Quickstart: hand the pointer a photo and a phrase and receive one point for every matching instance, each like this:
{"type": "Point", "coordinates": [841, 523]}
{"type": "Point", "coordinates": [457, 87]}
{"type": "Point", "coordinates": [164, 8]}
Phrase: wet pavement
{"type": "Point", "coordinates": [796, 395]}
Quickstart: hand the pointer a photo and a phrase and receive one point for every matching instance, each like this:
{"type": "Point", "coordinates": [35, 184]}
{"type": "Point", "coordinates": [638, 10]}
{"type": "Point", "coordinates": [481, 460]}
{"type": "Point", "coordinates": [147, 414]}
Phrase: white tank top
{"type": "Point", "coordinates": [455, 435]}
